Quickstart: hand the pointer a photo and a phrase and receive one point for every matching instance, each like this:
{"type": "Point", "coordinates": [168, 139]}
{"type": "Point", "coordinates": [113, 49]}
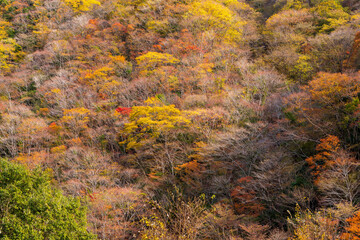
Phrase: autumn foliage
{"type": "Point", "coordinates": [192, 119]}
{"type": "Point", "coordinates": [323, 159]}
{"type": "Point", "coordinates": [353, 230]}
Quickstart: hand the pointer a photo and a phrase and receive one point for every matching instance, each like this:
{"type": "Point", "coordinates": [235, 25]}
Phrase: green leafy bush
{"type": "Point", "coordinates": [31, 208]}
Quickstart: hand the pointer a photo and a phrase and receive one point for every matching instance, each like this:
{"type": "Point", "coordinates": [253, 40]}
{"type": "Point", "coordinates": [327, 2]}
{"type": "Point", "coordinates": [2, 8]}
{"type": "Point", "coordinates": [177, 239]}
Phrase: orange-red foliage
{"type": "Point", "coordinates": [353, 230]}
{"type": "Point", "coordinates": [326, 149]}
{"type": "Point", "coordinates": [125, 111]}
{"type": "Point", "coordinates": [245, 199]}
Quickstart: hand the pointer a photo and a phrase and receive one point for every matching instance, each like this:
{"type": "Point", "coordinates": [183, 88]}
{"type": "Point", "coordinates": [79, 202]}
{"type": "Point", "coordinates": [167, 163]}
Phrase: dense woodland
{"type": "Point", "coordinates": [180, 119]}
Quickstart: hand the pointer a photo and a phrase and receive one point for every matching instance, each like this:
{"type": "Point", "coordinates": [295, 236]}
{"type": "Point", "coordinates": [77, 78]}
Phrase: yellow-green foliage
{"type": "Point", "coordinates": [155, 229]}
{"type": "Point", "coordinates": [9, 49]}
{"type": "Point", "coordinates": [303, 69]}
{"type": "Point", "coordinates": [123, 9]}
{"type": "Point", "coordinates": [228, 2]}
{"type": "Point", "coordinates": [295, 4]}
{"type": "Point", "coordinates": [32, 208]}
{"type": "Point", "coordinates": [217, 16]}
{"type": "Point", "coordinates": [81, 5]}
{"type": "Point", "coordinates": [3, 26]}
{"type": "Point", "coordinates": [317, 225]}
{"type": "Point", "coordinates": [161, 27]}
{"type": "Point", "coordinates": [235, 5]}
{"type": "Point", "coordinates": [326, 14]}
{"type": "Point", "coordinates": [332, 13]}
{"type": "Point", "coordinates": [151, 60]}
{"type": "Point", "coordinates": [152, 120]}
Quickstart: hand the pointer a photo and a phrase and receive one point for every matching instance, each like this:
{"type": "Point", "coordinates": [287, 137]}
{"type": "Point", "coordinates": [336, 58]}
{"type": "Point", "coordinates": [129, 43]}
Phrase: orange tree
{"type": "Point", "coordinates": [353, 230]}
{"type": "Point", "coordinates": [329, 104]}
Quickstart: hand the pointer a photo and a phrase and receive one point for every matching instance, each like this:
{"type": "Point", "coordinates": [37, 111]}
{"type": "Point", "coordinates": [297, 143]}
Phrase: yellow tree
{"type": "Point", "coordinates": [217, 16]}
{"type": "Point", "coordinates": [76, 119]}
{"type": "Point", "coordinates": [152, 60]}
{"type": "Point", "coordinates": [9, 50]}
{"type": "Point", "coordinates": [158, 137]}
{"type": "Point", "coordinates": [330, 15]}
{"type": "Point", "coordinates": [81, 5]}
{"type": "Point", "coordinates": [151, 121]}
{"type": "Point", "coordinates": [309, 225]}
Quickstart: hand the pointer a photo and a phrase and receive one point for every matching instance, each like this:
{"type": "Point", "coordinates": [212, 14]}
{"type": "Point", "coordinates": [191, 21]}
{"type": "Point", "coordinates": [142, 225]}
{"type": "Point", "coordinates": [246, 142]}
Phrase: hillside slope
{"type": "Point", "coordinates": [187, 119]}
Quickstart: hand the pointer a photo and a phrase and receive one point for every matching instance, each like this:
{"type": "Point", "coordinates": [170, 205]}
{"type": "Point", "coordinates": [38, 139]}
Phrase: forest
{"type": "Point", "coordinates": [180, 119]}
